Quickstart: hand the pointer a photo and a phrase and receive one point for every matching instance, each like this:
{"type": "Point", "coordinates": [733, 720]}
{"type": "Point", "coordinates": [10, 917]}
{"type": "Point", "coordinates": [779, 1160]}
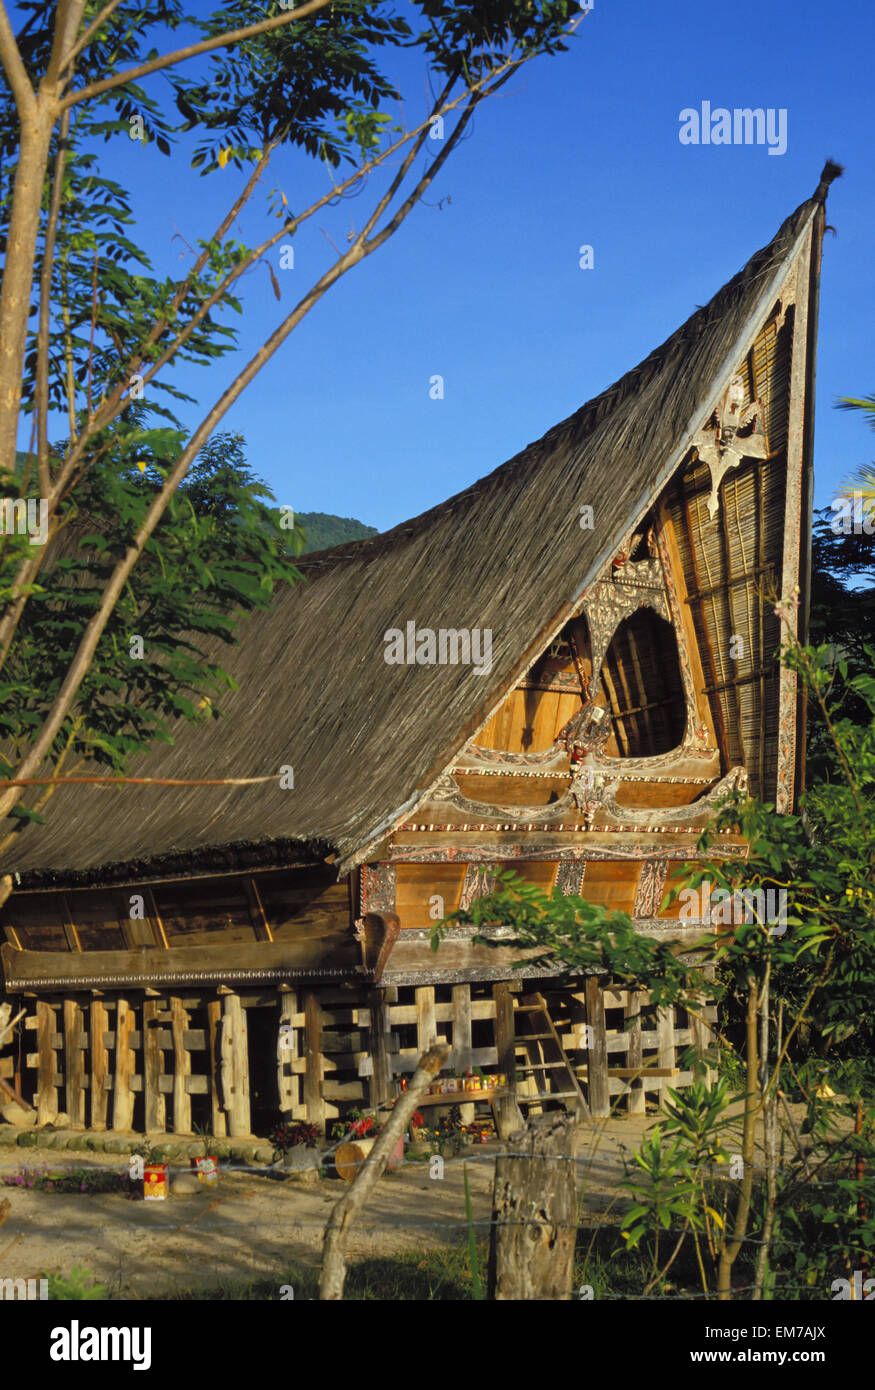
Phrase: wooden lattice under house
{"type": "Point", "coordinates": [538, 674]}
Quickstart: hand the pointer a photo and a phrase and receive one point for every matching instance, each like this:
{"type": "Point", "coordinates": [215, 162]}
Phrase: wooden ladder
{"type": "Point", "coordinates": [548, 1062]}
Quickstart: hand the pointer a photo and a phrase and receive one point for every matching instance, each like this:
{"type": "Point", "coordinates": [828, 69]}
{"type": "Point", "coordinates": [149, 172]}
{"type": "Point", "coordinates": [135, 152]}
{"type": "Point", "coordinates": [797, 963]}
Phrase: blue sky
{"type": "Point", "coordinates": [487, 290]}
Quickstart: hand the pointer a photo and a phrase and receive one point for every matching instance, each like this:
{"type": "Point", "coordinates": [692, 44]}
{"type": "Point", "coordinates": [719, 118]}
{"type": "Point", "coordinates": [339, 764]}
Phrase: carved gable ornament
{"type": "Point", "coordinates": [733, 432]}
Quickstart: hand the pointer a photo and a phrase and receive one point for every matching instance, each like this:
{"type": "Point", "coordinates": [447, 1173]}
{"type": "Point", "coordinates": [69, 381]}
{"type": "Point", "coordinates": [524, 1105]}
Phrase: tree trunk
{"type": "Point", "coordinates": [534, 1213]}
{"type": "Point", "coordinates": [18, 272]}
{"type": "Point", "coordinates": [731, 1246]}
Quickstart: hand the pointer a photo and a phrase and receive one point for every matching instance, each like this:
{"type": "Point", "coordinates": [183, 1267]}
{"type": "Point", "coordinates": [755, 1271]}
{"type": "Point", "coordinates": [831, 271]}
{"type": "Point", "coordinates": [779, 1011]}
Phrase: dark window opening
{"type": "Point", "coordinates": [641, 677]}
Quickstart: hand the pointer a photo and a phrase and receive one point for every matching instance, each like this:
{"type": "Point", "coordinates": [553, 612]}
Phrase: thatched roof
{"type": "Point", "coordinates": [367, 739]}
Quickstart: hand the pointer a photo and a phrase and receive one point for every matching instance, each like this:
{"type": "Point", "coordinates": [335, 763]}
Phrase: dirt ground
{"type": "Point", "coordinates": [252, 1226]}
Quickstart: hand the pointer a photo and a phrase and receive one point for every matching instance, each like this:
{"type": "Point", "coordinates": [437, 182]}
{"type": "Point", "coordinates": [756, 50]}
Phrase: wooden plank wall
{"type": "Point", "coordinates": [94, 1056]}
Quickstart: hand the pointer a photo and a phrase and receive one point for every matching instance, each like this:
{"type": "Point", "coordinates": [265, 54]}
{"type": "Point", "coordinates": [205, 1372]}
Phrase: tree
{"type": "Point", "coordinates": [305, 78]}
{"type": "Point", "coordinates": [215, 555]}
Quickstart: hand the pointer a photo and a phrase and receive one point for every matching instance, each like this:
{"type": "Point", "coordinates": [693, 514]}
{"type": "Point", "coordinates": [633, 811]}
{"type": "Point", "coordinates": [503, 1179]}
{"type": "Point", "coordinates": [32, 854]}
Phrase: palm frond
{"type": "Point", "coordinates": [866, 404]}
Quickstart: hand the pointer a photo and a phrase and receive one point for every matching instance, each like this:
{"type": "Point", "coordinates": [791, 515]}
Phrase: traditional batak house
{"type": "Point", "coordinates": [560, 669]}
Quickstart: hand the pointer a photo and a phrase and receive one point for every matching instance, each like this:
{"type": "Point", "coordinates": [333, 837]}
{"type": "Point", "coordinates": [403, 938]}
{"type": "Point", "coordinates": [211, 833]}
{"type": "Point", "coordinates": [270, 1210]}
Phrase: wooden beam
{"type": "Point", "coordinates": [156, 918]}
{"type": "Point", "coordinates": [69, 926]}
{"type": "Point", "coordinates": [257, 914]}
{"type": "Point", "coordinates": [322, 956]}
{"type": "Point", "coordinates": [718, 721]}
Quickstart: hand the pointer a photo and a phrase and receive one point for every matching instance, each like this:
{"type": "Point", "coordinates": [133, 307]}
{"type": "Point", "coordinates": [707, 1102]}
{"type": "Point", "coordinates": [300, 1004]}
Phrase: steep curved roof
{"type": "Point", "coordinates": [366, 738]}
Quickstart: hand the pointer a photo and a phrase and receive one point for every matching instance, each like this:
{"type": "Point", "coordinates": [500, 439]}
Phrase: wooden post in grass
{"type": "Point", "coordinates": [534, 1213]}
{"type": "Point", "coordinates": [333, 1259]}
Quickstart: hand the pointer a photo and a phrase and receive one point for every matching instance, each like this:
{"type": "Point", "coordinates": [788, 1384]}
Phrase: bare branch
{"type": "Point", "coordinates": [333, 1271]}
{"type": "Point", "coordinates": [113, 404]}
{"type": "Point", "coordinates": [16, 74]}
{"type": "Point", "coordinates": [92, 29]}
{"type": "Point", "coordinates": [68, 16]}
{"type": "Point", "coordinates": [194, 50]}
{"type": "Point", "coordinates": [140, 781]}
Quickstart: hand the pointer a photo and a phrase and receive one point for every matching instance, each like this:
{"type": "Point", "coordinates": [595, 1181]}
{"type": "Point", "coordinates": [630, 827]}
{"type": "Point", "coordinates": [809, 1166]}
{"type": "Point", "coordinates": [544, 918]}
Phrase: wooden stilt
{"type": "Point", "coordinates": [313, 1099]}
{"type": "Point", "coordinates": [214, 1039]}
{"type": "Point", "coordinates": [47, 1063]}
{"type": "Point", "coordinates": [181, 1068]}
{"type": "Point", "coordinates": [507, 1111]}
{"type": "Point", "coordinates": [597, 1057]}
{"type": "Point", "coordinates": [288, 1083]}
{"type": "Point", "coordinates": [379, 1084]}
{"type": "Point", "coordinates": [74, 1080]}
{"type": "Point", "coordinates": [426, 1025]}
{"type": "Point", "coordinates": [462, 1052]}
{"type": "Point", "coordinates": [99, 1063]}
{"type": "Point", "coordinates": [235, 1067]}
{"type": "Point", "coordinates": [122, 1095]}
{"type": "Point", "coordinates": [153, 1067]}
{"type": "Point", "coordinates": [634, 1055]}
{"type": "Point", "coordinates": [666, 1042]}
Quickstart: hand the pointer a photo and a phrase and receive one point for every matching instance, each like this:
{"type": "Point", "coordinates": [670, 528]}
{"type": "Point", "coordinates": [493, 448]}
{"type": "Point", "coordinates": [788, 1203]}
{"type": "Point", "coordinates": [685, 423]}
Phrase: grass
{"type": "Point", "coordinates": [412, 1276]}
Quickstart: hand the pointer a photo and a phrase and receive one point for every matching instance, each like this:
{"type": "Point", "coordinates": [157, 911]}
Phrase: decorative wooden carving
{"type": "Point", "coordinates": [377, 888]}
{"type": "Point", "coordinates": [617, 594]}
{"type": "Point", "coordinates": [569, 877]}
{"type": "Point", "coordinates": [380, 931]}
{"type": "Point", "coordinates": [734, 431]}
{"type": "Point", "coordinates": [547, 849]}
{"type": "Point", "coordinates": [479, 882]}
{"type": "Point", "coordinates": [651, 888]}
{"type": "Point", "coordinates": [592, 792]}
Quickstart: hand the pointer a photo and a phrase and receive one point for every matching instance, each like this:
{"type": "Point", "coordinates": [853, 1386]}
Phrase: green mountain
{"type": "Point", "coordinates": [323, 529]}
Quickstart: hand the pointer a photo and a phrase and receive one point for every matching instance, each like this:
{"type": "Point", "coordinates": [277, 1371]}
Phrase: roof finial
{"type": "Point", "coordinates": [831, 171]}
